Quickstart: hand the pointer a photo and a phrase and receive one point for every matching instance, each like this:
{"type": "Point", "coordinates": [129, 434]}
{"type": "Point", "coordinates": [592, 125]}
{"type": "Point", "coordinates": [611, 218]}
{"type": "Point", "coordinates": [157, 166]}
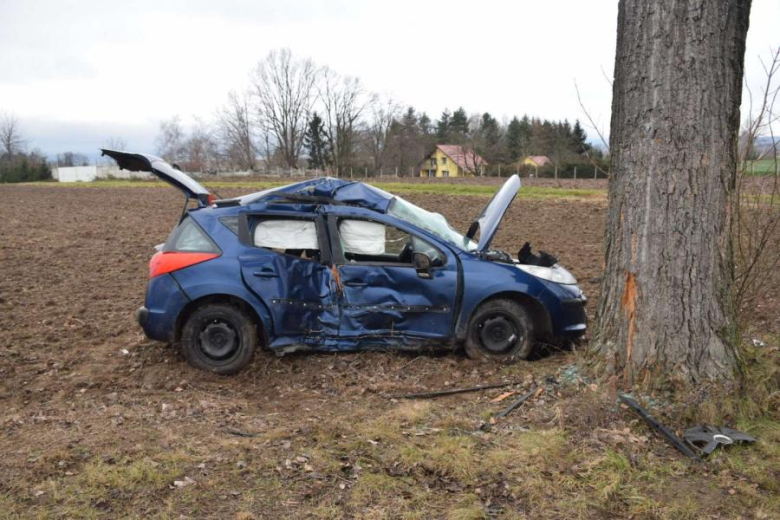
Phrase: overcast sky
{"type": "Point", "coordinates": [78, 72]}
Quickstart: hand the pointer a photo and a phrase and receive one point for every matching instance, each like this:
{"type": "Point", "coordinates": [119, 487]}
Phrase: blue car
{"type": "Point", "coordinates": [334, 265]}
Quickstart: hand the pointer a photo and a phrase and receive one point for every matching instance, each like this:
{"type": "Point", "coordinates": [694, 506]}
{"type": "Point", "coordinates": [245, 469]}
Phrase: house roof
{"type": "Point", "coordinates": [463, 157]}
{"type": "Point", "coordinates": [539, 160]}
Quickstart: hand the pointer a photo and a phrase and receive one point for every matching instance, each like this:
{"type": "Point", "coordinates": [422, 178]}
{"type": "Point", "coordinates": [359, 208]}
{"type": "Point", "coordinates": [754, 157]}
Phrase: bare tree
{"type": "Point", "coordinates": [11, 138]}
{"type": "Point", "coordinates": [473, 141]}
{"type": "Point", "coordinates": [666, 310]}
{"type": "Point", "coordinates": [384, 112]}
{"type": "Point", "coordinates": [170, 141]}
{"type": "Point", "coordinates": [756, 220]}
{"type": "Point", "coordinates": [234, 122]}
{"type": "Point", "coordinates": [343, 103]}
{"type": "Point", "coordinates": [115, 143]}
{"type": "Point", "coordinates": [200, 150]}
{"type": "Point", "coordinates": [67, 159]}
{"type": "Point", "coordinates": [283, 88]}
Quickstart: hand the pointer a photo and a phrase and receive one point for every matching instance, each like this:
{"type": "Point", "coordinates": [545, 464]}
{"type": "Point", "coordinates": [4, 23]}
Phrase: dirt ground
{"type": "Point", "coordinates": [98, 421]}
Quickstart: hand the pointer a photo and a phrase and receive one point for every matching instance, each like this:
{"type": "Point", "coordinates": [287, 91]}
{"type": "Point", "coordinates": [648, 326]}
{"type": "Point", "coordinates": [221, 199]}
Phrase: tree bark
{"type": "Point", "coordinates": [666, 312]}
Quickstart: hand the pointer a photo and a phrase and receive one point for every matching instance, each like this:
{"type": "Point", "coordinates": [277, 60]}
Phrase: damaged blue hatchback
{"type": "Point", "coordinates": [334, 265]}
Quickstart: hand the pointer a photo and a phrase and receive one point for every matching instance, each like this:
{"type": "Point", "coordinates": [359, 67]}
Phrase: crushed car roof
{"type": "Point", "coordinates": [323, 189]}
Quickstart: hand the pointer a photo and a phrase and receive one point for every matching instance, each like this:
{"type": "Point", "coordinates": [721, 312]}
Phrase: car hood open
{"type": "Point", "coordinates": [141, 162]}
{"type": "Point", "coordinates": [487, 222]}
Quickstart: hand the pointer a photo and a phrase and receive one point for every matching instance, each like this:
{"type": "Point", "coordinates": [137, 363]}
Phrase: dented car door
{"type": "Point", "coordinates": [383, 293]}
{"type": "Point", "coordinates": [287, 265]}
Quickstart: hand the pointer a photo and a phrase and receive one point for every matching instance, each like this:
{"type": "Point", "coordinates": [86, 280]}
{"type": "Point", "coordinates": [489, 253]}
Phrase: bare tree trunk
{"type": "Point", "coordinates": [666, 311]}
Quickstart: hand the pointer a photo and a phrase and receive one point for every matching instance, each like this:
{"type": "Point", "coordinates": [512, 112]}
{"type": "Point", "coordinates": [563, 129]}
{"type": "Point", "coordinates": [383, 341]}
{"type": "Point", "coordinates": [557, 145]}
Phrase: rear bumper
{"type": "Point", "coordinates": [142, 316]}
{"type": "Point", "coordinates": [164, 302]}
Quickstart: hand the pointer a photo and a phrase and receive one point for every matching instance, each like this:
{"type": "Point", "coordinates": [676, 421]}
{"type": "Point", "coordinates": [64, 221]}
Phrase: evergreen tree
{"type": "Point", "coordinates": [443, 127]}
{"type": "Point", "coordinates": [425, 124]}
{"type": "Point", "coordinates": [491, 138]}
{"type": "Point", "coordinates": [514, 140]}
{"type": "Point", "coordinates": [315, 141]}
{"type": "Point", "coordinates": [580, 138]}
{"type": "Point", "coordinates": [459, 126]}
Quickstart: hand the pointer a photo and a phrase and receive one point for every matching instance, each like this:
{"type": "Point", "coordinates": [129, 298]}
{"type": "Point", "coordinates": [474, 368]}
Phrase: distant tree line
{"type": "Point", "coordinates": [294, 114]}
{"type": "Point", "coordinates": [16, 163]}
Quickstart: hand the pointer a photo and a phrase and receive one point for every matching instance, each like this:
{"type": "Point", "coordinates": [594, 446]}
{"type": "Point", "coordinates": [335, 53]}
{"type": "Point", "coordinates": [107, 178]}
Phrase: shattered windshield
{"type": "Point", "coordinates": [432, 222]}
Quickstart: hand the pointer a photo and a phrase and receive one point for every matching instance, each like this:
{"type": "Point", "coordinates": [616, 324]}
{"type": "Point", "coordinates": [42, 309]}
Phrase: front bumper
{"type": "Point", "coordinates": [566, 307]}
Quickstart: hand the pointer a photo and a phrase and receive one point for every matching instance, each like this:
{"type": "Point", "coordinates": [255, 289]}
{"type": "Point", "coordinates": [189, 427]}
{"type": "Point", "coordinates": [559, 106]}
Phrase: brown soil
{"type": "Point", "coordinates": [99, 420]}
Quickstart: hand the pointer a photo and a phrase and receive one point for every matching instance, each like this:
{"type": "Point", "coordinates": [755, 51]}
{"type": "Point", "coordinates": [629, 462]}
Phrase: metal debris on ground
{"type": "Point", "coordinates": [239, 433]}
{"type": "Point", "coordinates": [669, 435]}
{"type": "Point", "coordinates": [439, 393]}
{"type": "Point", "coordinates": [707, 438]}
{"type": "Point", "coordinates": [515, 404]}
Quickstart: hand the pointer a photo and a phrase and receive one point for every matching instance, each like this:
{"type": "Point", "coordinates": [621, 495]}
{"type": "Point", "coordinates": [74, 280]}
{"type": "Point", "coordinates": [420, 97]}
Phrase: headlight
{"type": "Point", "coordinates": [555, 273]}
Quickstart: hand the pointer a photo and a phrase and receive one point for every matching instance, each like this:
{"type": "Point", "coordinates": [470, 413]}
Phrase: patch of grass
{"type": "Point", "coordinates": [468, 507]}
{"type": "Point", "coordinates": [454, 456]}
{"type": "Point", "coordinates": [99, 487]}
{"type": "Point", "coordinates": [128, 477]}
{"type": "Point", "coordinates": [760, 167]}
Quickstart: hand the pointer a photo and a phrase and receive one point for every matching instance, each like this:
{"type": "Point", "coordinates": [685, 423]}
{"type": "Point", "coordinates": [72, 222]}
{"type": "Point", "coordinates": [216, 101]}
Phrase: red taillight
{"type": "Point", "coordinates": [211, 198]}
{"type": "Point", "coordinates": [168, 261]}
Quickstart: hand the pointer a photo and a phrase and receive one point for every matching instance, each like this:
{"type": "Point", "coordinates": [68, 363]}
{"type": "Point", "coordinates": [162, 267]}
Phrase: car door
{"type": "Point", "coordinates": [383, 296]}
{"type": "Point", "coordinates": [286, 263]}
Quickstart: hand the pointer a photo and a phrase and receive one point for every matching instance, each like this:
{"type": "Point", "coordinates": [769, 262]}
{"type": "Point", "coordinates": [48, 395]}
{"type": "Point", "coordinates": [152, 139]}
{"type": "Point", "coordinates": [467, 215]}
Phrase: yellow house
{"type": "Point", "coordinates": [450, 160]}
{"type": "Point", "coordinates": [536, 160]}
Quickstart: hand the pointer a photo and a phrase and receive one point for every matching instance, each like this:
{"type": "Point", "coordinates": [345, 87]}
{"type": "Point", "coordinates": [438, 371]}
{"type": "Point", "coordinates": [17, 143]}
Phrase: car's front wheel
{"type": "Point", "coordinates": [500, 330]}
{"type": "Point", "coordinates": [219, 338]}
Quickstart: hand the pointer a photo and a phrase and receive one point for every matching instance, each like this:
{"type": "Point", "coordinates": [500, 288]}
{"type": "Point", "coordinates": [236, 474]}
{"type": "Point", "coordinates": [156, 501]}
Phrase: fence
{"type": "Point", "coordinates": [112, 171]}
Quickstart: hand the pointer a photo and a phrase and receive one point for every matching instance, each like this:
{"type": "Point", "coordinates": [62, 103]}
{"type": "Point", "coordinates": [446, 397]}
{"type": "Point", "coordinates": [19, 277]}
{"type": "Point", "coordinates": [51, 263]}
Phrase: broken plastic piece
{"type": "Point", "coordinates": [707, 438]}
{"type": "Point", "coordinates": [669, 435]}
{"type": "Point", "coordinates": [439, 393]}
{"type": "Point", "coordinates": [543, 259]}
{"type": "Point", "coordinates": [517, 402]}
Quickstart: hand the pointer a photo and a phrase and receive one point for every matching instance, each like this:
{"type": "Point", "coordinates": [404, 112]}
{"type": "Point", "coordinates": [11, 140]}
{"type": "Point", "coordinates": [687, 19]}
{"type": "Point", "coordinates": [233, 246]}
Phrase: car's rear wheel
{"type": "Point", "coordinates": [219, 338]}
{"type": "Point", "coordinates": [500, 330]}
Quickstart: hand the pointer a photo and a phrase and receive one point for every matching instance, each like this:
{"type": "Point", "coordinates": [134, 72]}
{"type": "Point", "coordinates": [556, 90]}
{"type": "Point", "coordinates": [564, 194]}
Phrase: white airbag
{"type": "Point", "coordinates": [362, 237]}
{"type": "Point", "coordinates": [286, 234]}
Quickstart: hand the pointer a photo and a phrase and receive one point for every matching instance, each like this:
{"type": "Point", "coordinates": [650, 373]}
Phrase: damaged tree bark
{"type": "Point", "coordinates": [666, 310]}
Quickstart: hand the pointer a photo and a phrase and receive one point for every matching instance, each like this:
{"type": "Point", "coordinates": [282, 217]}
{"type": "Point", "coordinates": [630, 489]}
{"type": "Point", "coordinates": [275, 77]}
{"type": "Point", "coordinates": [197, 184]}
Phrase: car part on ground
{"type": "Point", "coordinates": [707, 438]}
{"type": "Point", "coordinates": [669, 435]}
{"type": "Point", "coordinates": [452, 391]}
{"type": "Point", "coordinates": [515, 404]}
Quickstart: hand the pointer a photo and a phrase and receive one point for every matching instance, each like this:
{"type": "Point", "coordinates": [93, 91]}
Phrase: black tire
{"type": "Point", "coordinates": [500, 330]}
{"type": "Point", "coordinates": [219, 338]}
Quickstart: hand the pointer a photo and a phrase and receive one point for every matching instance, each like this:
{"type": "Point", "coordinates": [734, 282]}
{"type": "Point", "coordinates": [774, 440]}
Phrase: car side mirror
{"type": "Point", "coordinates": [422, 263]}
